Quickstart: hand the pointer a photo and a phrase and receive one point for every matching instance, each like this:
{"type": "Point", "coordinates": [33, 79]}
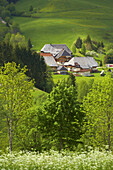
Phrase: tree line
{"type": "Point", "coordinates": [102, 53]}
{"type": "Point", "coordinates": [63, 122]}
{"type": "Point", "coordinates": [37, 69]}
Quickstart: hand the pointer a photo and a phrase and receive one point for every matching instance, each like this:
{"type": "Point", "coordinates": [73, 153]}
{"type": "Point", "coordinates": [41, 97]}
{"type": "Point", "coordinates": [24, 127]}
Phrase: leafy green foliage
{"type": "Point", "coordinates": [5, 53]}
{"type": "Point", "coordinates": [62, 117]}
{"type": "Point", "coordinates": [10, 1]}
{"type": "Point", "coordinates": [83, 89]}
{"type": "Point", "coordinates": [71, 80]}
{"type": "Point", "coordinates": [18, 39]}
{"type": "Point", "coordinates": [37, 69]}
{"type": "Point", "coordinates": [99, 114]}
{"type": "Point", "coordinates": [6, 9]}
{"type": "Point", "coordinates": [31, 8]}
{"type": "Point", "coordinates": [15, 29]}
{"type": "Point", "coordinates": [109, 57]}
{"type": "Point", "coordinates": [83, 49]}
{"type": "Point", "coordinates": [73, 47]}
{"type": "Point", "coordinates": [15, 96]}
{"type": "Point", "coordinates": [29, 132]}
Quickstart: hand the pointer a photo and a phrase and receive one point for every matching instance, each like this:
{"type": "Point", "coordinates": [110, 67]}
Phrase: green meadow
{"type": "Point", "coordinates": [63, 21]}
{"type": "Point", "coordinates": [41, 96]}
{"type": "Point", "coordinates": [57, 78]}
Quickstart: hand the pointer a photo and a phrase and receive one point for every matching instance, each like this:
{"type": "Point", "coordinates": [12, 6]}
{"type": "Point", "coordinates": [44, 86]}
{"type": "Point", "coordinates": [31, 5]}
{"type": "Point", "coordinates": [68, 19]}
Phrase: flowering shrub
{"type": "Point", "coordinates": [54, 161]}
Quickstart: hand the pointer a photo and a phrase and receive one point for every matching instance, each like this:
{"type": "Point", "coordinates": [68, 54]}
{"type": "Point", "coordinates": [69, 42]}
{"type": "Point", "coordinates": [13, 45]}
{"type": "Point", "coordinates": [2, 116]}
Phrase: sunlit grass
{"type": "Point", "coordinates": [39, 97]}
{"type": "Point", "coordinates": [63, 21]}
{"type": "Point", "coordinates": [63, 30]}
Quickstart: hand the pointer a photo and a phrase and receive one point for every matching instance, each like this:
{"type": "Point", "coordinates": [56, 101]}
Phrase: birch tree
{"type": "Point", "coordinates": [99, 114]}
{"type": "Point", "coordinates": [15, 95]}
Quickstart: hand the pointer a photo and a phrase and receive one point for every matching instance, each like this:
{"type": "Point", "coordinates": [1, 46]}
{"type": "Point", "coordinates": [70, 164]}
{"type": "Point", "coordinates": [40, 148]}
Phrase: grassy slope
{"type": "Point", "coordinates": [62, 21]}
{"type": "Point", "coordinates": [57, 78]}
{"type": "Point", "coordinates": [39, 97]}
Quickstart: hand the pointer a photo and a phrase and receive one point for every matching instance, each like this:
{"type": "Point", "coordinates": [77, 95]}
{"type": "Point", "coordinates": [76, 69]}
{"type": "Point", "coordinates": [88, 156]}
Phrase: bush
{"type": "Point", "coordinates": [109, 57]}
{"type": "Point", "coordinates": [92, 53]}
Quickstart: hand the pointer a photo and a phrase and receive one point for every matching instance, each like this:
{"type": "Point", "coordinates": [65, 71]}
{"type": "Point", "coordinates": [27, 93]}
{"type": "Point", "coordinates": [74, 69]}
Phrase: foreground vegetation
{"type": "Point", "coordinates": [96, 160]}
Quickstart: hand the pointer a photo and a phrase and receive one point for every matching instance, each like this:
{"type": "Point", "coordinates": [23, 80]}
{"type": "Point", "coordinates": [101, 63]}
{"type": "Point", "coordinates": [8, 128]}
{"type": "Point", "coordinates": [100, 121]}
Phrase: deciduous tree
{"type": "Point", "coordinates": [73, 47]}
{"type": "Point", "coordinates": [109, 57]}
{"type": "Point", "coordinates": [15, 95]}
{"type": "Point", "coordinates": [99, 114]}
{"type": "Point", "coordinates": [62, 117]}
{"type": "Point", "coordinates": [83, 49]}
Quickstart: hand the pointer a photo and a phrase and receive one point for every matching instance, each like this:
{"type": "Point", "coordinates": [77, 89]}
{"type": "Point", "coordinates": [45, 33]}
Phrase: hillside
{"type": "Point", "coordinates": [65, 5]}
{"type": "Point", "coordinates": [62, 21]}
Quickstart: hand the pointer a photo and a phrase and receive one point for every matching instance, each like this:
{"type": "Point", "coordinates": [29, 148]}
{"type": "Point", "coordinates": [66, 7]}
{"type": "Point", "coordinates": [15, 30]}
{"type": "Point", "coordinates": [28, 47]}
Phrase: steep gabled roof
{"type": "Point", "coordinates": [62, 46]}
{"type": "Point", "coordinates": [84, 62]}
{"type": "Point", "coordinates": [54, 49]}
{"type": "Point", "coordinates": [63, 52]}
{"type": "Point", "coordinates": [50, 61]}
{"type": "Point", "coordinates": [61, 68]}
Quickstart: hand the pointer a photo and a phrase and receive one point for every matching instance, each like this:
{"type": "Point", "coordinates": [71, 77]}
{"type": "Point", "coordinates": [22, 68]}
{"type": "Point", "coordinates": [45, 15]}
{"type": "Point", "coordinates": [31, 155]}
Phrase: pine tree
{"type": "Point", "coordinates": [79, 43]}
{"type": "Point", "coordinates": [29, 43]}
{"type": "Point", "coordinates": [88, 40]}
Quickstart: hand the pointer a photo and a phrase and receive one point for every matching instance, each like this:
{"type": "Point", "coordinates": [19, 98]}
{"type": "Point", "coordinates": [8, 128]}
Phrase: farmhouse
{"type": "Point", "coordinates": [50, 61]}
{"type": "Point", "coordinates": [58, 56]}
{"type": "Point", "coordinates": [82, 64]}
{"type": "Point", "coordinates": [60, 52]}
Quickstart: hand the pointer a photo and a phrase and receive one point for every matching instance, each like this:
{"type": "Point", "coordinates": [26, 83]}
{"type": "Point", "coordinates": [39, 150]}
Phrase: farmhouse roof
{"type": "Point", "coordinates": [84, 62]}
{"type": "Point", "coordinates": [50, 61]}
{"type": "Point", "coordinates": [61, 68]}
{"type": "Point", "coordinates": [62, 46]}
{"type": "Point", "coordinates": [54, 49]}
{"type": "Point", "coordinates": [63, 52]}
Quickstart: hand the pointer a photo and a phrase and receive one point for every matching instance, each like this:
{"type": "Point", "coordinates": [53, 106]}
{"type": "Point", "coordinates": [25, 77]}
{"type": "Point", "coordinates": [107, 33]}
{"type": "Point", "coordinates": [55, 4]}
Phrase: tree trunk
{"type": "Point", "coordinates": [61, 144]}
{"type": "Point", "coordinates": [10, 133]}
{"type": "Point", "coordinates": [11, 136]}
{"type": "Point", "coordinates": [60, 140]}
{"type": "Point", "coordinates": [109, 137]}
{"type": "Point", "coordinates": [8, 127]}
